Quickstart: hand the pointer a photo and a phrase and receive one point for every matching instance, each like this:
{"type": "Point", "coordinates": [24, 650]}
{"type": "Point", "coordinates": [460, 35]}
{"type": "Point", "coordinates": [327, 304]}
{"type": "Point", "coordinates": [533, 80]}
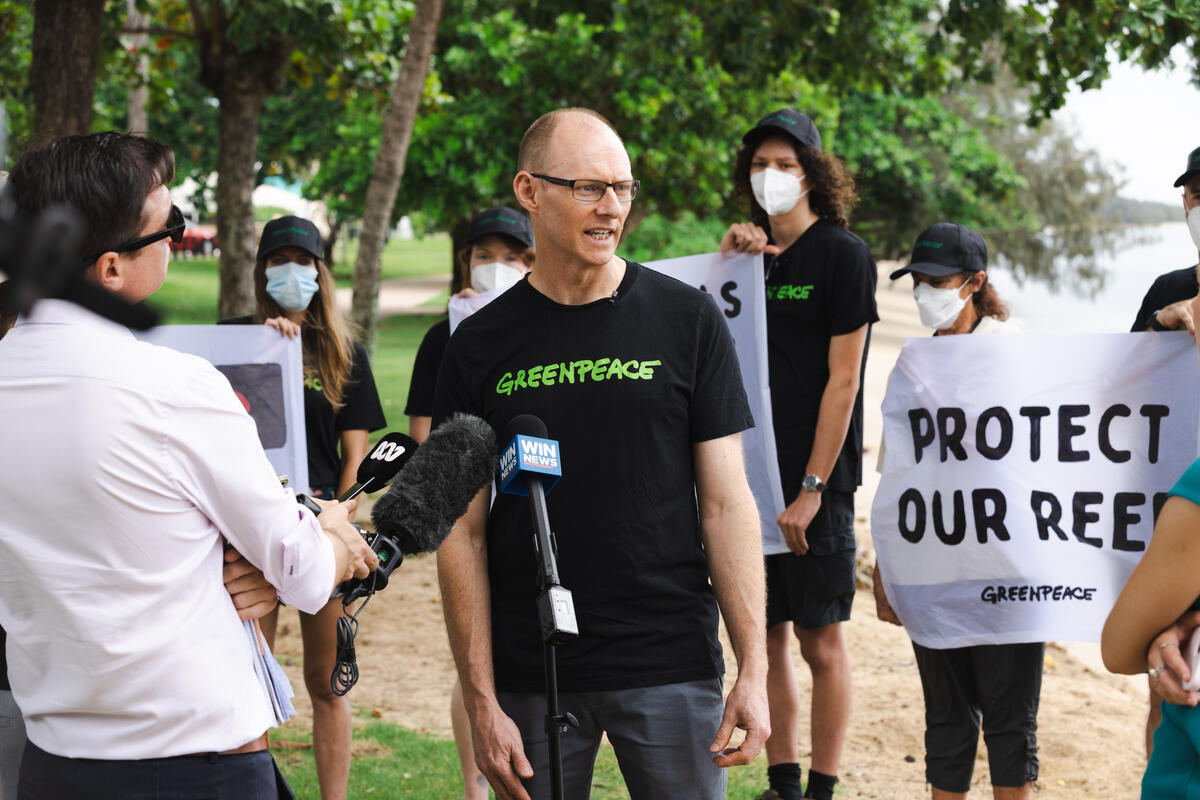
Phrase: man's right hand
{"type": "Point", "coordinates": [1178, 316]}
{"type": "Point", "coordinates": [746, 237]}
{"type": "Point", "coordinates": [499, 753]}
{"type": "Point", "coordinates": [359, 559]}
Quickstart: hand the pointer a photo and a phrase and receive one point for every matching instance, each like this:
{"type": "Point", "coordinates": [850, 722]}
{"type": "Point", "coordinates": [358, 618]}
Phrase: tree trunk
{"type": "Point", "coordinates": [235, 209]}
{"type": "Point", "coordinates": [139, 93]}
{"type": "Point", "coordinates": [389, 166]}
{"type": "Point", "coordinates": [62, 71]}
{"type": "Point", "coordinates": [241, 81]}
{"type": "Point", "coordinates": [335, 230]}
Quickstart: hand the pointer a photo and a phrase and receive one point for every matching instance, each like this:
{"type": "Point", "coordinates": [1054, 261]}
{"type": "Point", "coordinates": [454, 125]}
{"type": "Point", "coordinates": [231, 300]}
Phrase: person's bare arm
{"type": "Point", "coordinates": [1162, 586]}
{"type": "Point", "coordinates": [733, 541]}
{"type": "Point", "coordinates": [355, 444]}
{"type": "Point", "coordinates": [418, 428]}
{"type": "Point", "coordinates": [833, 420]}
{"type": "Point", "coordinates": [466, 603]}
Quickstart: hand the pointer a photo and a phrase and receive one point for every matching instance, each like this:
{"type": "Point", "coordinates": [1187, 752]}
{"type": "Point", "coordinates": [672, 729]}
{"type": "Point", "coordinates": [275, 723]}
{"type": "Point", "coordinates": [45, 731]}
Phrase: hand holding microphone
{"type": "Point", "coordinates": [355, 558]}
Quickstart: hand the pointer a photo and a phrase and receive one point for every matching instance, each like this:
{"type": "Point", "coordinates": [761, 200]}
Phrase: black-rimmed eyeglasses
{"type": "Point", "coordinates": [586, 190]}
{"type": "Point", "coordinates": [174, 230]}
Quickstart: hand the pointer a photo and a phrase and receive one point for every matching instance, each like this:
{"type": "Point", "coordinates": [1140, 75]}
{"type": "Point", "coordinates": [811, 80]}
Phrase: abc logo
{"type": "Point", "coordinates": [387, 451]}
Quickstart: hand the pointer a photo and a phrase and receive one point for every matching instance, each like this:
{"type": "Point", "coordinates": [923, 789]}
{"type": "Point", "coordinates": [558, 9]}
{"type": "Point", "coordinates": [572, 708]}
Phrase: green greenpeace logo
{"type": "Point", "coordinates": [927, 243]}
{"type": "Point", "coordinates": [500, 215]}
{"type": "Point", "coordinates": [779, 118]}
{"type": "Point", "coordinates": [581, 371]}
{"type": "Point", "coordinates": [300, 231]}
{"type": "Point", "coordinates": [788, 292]}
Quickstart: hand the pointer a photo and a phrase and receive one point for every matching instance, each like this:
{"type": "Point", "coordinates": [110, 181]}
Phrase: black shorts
{"type": "Point", "coordinates": [1000, 683]}
{"type": "Point", "coordinates": [816, 589]}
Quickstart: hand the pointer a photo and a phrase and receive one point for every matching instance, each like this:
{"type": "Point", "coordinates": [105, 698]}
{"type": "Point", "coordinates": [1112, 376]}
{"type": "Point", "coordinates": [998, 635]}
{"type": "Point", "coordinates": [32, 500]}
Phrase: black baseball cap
{"type": "Point", "coordinates": [290, 232]}
{"type": "Point", "coordinates": [945, 248]}
{"type": "Point", "coordinates": [503, 221]}
{"type": "Point", "coordinates": [1193, 168]}
{"type": "Point", "coordinates": [799, 126]}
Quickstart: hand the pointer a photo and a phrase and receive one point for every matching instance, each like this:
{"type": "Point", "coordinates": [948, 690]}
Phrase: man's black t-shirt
{"type": "Point", "coordinates": [4, 687]}
{"type": "Point", "coordinates": [425, 370]}
{"type": "Point", "coordinates": [820, 287]}
{"type": "Point", "coordinates": [627, 386]}
{"type": "Point", "coordinates": [360, 411]}
{"type": "Point", "coordinates": [1170, 287]}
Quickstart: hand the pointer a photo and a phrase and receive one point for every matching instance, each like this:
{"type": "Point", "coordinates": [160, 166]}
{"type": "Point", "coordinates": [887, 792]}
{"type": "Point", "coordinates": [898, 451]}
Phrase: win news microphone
{"type": "Point", "coordinates": [434, 489]}
{"type": "Point", "coordinates": [530, 466]}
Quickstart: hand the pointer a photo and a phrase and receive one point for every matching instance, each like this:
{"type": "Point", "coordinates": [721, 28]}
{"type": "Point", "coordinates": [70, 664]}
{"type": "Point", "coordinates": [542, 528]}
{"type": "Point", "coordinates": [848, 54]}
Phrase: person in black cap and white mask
{"type": "Point", "coordinates": [820, 307]}
{"type": "Point", "coordinates": [999, 683]}
{"type": "Point", "coordinates": [497, 254]}
{"type": "Point", "coordinates": [294, 293]}
{"type": "Point", "coordinates": [1167, 305]}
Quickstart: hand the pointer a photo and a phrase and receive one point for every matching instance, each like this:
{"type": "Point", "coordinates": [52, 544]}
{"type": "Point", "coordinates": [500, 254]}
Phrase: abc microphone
{"type": "Point", "coordinates": [530, 465]}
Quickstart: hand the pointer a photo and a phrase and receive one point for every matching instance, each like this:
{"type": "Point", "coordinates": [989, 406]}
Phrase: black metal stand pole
{"type": "Point", "coordinates": [556, 612]}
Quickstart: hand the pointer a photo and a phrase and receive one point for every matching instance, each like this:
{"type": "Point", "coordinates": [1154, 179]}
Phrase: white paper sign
{"type": "Point", "coordinates": [266, 370]}
{"type": "Point", "coordinates": [1021, 478]}
{"type": "Point", "coordinates": [737, 285]}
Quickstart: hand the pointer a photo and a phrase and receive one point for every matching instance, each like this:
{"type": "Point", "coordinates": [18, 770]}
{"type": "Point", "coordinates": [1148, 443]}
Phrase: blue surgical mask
{"type": "Point", "coordinates": [292, 285]}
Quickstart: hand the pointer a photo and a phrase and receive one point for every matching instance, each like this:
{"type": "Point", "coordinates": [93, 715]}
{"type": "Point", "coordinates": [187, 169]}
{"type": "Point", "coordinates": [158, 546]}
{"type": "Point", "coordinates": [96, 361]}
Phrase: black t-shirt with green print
{"type": "Point", "coordinates": [820, 287]}
{"type": "Point", "coordinates": [627, 386]}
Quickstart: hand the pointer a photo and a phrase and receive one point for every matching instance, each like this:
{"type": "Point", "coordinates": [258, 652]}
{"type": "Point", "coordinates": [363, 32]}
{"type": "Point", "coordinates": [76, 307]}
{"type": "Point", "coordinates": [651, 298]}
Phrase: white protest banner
{"type": "Point", "coordinates": [266, 370]}
{"type": "Point", "coordinates": [737, 284]}
{"type": "Point", "coordinates": [1021, 478]}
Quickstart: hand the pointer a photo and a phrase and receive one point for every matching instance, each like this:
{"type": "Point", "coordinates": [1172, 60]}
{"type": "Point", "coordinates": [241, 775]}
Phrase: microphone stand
{"type": "Point", "coordinates": [556, 612]}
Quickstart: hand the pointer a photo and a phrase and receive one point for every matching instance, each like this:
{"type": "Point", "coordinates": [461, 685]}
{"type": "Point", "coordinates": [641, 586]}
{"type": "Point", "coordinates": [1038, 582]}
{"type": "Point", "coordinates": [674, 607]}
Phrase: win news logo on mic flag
{"type": "Point", "coordinates": [529, 455]}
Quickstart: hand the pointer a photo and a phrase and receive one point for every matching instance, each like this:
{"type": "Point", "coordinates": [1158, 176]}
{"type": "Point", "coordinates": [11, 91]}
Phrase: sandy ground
{"type": "Point", "coordinates": [1090, 724]}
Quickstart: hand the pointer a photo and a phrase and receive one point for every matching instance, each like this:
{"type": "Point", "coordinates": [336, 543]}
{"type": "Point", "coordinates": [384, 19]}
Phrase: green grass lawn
{"type": "Point", "coordinates": [392, 761]}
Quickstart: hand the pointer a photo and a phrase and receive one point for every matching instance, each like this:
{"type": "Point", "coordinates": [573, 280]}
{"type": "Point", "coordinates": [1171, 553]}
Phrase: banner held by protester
{"type": "Point", "coordinates": [1022, 476]}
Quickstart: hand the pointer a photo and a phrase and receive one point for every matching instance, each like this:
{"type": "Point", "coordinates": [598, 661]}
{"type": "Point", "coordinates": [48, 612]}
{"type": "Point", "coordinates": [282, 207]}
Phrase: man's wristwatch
{"type": "Point", "coordinates": [812, 484]}
{"type": "Point", "coordinates": [1155, 324]}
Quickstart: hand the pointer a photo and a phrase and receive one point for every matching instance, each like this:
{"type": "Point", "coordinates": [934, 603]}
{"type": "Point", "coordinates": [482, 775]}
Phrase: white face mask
{"type": "Point", "coordinates": [494, 275]}
{"type": "Point", "coordinates": [777, 192]}
{"type": "Point", "coordinates": [938, 307]}
{"type": "Point", "coordinates": [1193, 224]}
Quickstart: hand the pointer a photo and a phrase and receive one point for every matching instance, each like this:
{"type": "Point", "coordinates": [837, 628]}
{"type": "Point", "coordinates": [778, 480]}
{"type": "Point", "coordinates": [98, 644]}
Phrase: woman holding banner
{"type": "Point", "coordinates": [1000, 683]}
{"type": "Point", "coordinates": [294, 293]}
{"type": "Point", "coordinates": [1164, 585]}
{"type": "Point", "coordinates": [820, 306]}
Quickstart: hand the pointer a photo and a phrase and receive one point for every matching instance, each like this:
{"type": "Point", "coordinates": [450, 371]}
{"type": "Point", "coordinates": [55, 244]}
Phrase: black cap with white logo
{"type": "Point", "coordinates": [503, 221]}
{"type": "Point", "coordinates": [945, 248]}
{"type": "Point", "coordinates": [290, 232]}
{"type": "Point", "coordinates": [799, 126]}
{"type": "Point", "coordinates": [1193, 168]}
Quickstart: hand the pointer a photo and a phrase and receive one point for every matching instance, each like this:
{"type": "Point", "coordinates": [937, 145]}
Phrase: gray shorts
{"type": "Point", "coordinates": [661, 736]}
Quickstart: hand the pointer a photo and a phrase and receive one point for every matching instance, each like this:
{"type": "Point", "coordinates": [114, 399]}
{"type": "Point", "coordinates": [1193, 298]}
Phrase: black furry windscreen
{"type": "Point", "coordinates": [435, 487]}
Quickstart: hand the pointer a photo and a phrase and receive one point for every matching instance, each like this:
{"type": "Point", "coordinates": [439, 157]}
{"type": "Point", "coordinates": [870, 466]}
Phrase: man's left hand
{"type": "Point", "coordinates": [745, 708]}
{"type": "Point", "coordinates": [252, 596]}
{"type": "Point", "coordinates": [796, 518]}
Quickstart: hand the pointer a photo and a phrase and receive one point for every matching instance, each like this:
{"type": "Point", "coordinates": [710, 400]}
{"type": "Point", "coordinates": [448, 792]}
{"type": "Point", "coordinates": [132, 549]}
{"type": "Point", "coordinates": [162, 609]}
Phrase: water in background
{"type": "Point", "coordinates": [1158, 249]}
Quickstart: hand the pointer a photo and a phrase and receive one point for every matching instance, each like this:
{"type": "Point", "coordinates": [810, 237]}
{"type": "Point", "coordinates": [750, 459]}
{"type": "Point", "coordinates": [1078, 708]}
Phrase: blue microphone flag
{"type": "Point", "coordinates": [525, 456]}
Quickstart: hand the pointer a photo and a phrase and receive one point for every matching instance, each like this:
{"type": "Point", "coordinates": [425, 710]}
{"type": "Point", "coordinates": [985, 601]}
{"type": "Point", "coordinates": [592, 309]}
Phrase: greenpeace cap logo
{"type": "Point", "coordinates": [500, 215]}
{"type": "Point", "coordinates": [387, 451]}
{"type": "Point", "coordinates": [927, 243]}
{"type": "Point", "coordinates": [780, 118]}
{"type": "Point", "coordinates": [300, 231]}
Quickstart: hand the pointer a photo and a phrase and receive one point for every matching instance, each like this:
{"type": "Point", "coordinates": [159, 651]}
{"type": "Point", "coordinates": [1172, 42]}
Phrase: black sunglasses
{"type": "Point", "coordinates": [175, 225]}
